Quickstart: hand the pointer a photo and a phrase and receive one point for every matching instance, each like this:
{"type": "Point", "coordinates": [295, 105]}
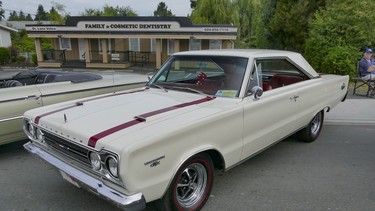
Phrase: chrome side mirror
{"type": "Point", "coordinates": [257, 92]}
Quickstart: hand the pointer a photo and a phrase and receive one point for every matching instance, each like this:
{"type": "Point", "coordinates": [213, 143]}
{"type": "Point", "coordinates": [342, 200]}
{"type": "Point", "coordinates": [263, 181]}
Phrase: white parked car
{"type": "Point", "coordinates": [36, 88]}
{"type": "Point", "coordinates": [202, 110]}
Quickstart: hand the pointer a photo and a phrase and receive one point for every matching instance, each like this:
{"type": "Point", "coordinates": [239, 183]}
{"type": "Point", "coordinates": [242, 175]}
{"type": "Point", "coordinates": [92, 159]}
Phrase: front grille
{"type": "Point", "coordinates": [67, 148]}
{"type": "Point", "coordinates": [78, 155]}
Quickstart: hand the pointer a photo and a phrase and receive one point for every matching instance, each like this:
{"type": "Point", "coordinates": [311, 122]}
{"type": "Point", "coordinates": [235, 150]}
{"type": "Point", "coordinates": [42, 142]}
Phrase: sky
{"type": "Point", "coordinates": [75, 7]}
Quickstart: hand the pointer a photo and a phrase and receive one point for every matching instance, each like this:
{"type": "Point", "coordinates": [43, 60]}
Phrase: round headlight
{"type": "Point", "coordinates": [112, 166]}
{"type": "Point", "coordinates": [39, 135]}
{"type": "Point", "coordinates": [95, 161]}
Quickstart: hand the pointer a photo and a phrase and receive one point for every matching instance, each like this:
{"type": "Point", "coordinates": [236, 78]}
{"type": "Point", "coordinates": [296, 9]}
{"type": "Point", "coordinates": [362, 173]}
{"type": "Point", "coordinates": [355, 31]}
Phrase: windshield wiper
{"type": "Point", "coordinates": [158, 86]}
{"type": "Point", "coordinates": [191, 90]}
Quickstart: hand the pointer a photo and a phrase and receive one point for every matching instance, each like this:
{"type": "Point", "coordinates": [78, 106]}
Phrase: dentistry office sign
{"type": "Point", "coordinates": [130, 26]}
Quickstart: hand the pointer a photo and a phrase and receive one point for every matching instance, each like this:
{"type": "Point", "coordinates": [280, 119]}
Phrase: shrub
{"type": "Point", "coordinates": [20, 59]}
{"type": "Point", "coordinates": [34, 59]}
{"type": "Point", "coordinates": [341, 60]}
{"type": "Point", "coordinates": [4, 56]}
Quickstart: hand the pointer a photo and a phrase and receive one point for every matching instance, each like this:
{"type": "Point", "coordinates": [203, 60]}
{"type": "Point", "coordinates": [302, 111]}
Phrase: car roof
{"type": "Point", "coordinates": [297, 58]}
{"type": "Point", "coordinates": [59, 76]}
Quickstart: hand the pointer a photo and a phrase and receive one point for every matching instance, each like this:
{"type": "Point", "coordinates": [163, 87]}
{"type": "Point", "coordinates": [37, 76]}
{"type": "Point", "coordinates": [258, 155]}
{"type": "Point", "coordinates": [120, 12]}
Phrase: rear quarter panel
{"type": "Point", "coordinates": [319, 94]}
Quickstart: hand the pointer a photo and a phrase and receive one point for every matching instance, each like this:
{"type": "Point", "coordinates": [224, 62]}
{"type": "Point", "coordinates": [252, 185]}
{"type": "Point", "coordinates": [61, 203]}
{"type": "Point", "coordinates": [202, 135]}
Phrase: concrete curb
{"type": "Point", "coordinates": [348, 122]}
{"type": "Point", "coordinates": [353, 112]}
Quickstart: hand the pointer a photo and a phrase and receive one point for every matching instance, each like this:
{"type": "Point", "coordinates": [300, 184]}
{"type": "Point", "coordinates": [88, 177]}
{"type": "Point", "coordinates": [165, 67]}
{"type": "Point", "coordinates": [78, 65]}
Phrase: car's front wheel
{"type": "Point", "coordinates": [191, 186]}
{"type": "Point", "coordinates": [312, 131]}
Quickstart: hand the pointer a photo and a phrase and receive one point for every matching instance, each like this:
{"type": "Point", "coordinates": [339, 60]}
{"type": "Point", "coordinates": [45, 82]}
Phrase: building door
{"type": "Point", "coordinates": [81, 48]}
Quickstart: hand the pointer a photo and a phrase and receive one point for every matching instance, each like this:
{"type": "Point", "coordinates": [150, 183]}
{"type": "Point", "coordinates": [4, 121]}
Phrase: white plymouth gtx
{"type": "Point", "coordinates": [202, 110]}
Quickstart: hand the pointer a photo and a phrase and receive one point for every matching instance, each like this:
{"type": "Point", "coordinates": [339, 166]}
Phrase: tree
{"type": "Point", "coordinates": [41, 15]}
{"type": "Point", "coordinates": [336, 39]}
{"type": "Point", "coordinates": [288, 27]}
{"type": "Point", "coordinates": [28, 17]}
{"type": "Point", "coordinates": [91, 12]}
{"type": "Point", "coordinates": [1, 11]}
{"type": "Point", "coordinates": [54, 15]}
{"type": "Point", "coordinates": [215, 12]}
{"type": "Point", "coordinates": [246, 26]}
{"type": "Point", "coordinates": [162, 10]}
{"type": "Point", "coordinates": [110, 11]}
{"type": "Point", "coordinates": [264, 11]}
{"type": "Point", "coordinates": [57, 13]}
{"type": "Point", "coordinates": [193, 4]}
{"type": "Point", "coordinates": [21, 15]}
{"type": "Point", "coordinates": [14, 16]}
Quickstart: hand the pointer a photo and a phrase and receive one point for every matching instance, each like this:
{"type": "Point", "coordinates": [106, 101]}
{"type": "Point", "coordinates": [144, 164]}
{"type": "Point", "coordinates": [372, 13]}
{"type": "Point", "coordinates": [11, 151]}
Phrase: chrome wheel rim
{"type": "Point", "coordinates": [191, 185]}
{"type": "Point", "coordinates": [316, 123]}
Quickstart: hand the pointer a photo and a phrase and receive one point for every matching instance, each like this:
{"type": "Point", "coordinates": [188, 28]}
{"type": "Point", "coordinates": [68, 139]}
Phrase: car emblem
{"type": "Point", "coordinates": [154, 162]}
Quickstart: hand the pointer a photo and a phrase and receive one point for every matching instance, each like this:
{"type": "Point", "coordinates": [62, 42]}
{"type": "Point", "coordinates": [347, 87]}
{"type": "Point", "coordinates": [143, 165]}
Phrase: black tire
{"type": "Point", "coordinates": [312, 131]}
{"type": "Point", "coordinates": [191, 186]}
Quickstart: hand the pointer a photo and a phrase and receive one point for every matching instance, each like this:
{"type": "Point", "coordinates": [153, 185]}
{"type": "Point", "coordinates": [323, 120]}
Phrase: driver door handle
{"type": "Point", "coordinates": [295, 97]}
{"type": "Point", "coordinates": [32, 97]}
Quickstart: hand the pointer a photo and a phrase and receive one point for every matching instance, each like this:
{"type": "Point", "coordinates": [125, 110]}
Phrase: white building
{"type": "Point", "coordinates": [5, 40]}
{"type": "Point", "coordinates": [119, 42]}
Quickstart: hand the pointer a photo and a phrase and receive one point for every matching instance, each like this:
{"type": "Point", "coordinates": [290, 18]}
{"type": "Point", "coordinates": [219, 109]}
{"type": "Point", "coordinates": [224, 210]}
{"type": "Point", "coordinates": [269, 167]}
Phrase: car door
{"type": "Point", "coordinates": [273, 116]}
{"type": "Point", "coordinates": [14, 101]}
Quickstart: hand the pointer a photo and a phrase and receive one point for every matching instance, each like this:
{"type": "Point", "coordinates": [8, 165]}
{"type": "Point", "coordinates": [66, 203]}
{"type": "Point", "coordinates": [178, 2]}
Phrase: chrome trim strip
{"type": "Point", "coordinates": [13, 99]}
{"type": "Point", "coordinates": [11, 118]}
{"type": "Point", "coordinates": [128, 202]}
{"type": "Point", "coordinates": [75, 91]}
{"type": "Point", "coordinates": [91, 89]}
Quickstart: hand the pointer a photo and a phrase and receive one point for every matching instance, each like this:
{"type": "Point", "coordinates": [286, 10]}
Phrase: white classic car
{"type": "Point", "coordinates": [202, 110]}
{"type": "Point", "coordinates": [36, 88]}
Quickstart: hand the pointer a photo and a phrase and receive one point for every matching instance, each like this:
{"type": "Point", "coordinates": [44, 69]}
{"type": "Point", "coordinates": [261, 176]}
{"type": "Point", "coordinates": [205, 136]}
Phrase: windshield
{"type": "Point", "coordinates": [211, 75]}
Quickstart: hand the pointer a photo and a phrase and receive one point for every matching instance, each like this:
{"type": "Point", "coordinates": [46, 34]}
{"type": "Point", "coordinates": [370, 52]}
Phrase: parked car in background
{"type": "Point", "coordinates": [202, 110]}
{"type": "Point", "coordinates": [36, 88]}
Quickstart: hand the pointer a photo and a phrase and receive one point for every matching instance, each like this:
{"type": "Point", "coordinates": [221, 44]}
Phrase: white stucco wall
{"type": "Point", "coordinates": [5, 38]}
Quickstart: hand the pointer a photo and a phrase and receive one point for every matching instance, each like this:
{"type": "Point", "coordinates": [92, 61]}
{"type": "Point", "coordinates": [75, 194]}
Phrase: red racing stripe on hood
{"type": "Point", "coordinates": [141, 118]}
{"type": "Point", "coordinates": [79, 103]}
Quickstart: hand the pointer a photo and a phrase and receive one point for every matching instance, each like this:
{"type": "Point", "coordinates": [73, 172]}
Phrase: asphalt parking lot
{"type": "Point", "coordinates": [333, 173]}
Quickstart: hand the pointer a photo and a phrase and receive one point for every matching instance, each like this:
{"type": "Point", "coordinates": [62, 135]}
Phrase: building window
{"type": "Point", "coordinates": [153, 45]}
{"type": "Point", "coordinates": [65, 44]}
{"type": "Point", "coordinates": [171, 49]}
{"type": "Point", "coordinates": [109, 47]}
{"type": "Point", "coordinates": [215, 44]}
{"type": "Point", "coordinates": [134, 44]}
{"type": "Point", "coordinates": [195, 44]}
{"type": "Point", "coordinates": [231, 45]}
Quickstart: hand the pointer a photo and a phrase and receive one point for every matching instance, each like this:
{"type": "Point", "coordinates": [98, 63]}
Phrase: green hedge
{"type": "Point", "coordinates": [4, 55]}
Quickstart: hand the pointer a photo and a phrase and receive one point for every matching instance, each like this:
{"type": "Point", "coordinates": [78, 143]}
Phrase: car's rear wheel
{"type": "Point", "coordinates": [191, 186]}
{"type": "Point", "coordinates": [312, 131]}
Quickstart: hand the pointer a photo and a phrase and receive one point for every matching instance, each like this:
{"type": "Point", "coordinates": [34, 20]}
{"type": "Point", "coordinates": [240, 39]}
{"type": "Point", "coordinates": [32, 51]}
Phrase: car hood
{"type": "Point", "coordinates": [97, 121]}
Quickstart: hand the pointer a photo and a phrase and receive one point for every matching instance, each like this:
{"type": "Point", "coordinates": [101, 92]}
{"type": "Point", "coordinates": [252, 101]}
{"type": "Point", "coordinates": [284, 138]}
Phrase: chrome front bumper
{"type": "Point", "coordinates": [131, 202]}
